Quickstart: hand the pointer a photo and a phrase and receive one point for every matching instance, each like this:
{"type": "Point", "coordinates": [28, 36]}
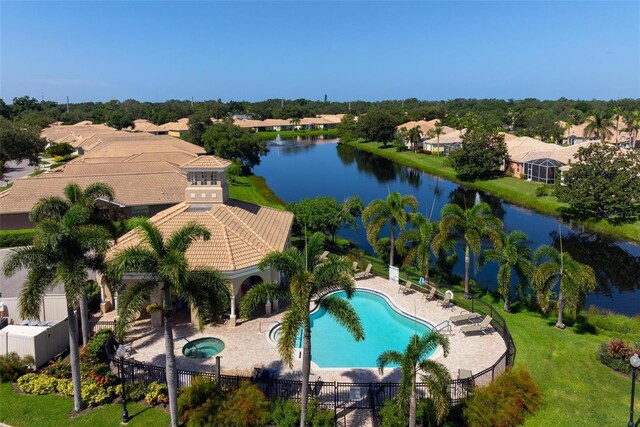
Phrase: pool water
{"type": "Point", "coordinates": [384, 328]}
{"type": "Point", "coordinates": [203, 348]}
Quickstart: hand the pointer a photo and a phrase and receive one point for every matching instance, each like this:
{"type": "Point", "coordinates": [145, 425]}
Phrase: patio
{"type": "Point", "coordinates": [248, 346]}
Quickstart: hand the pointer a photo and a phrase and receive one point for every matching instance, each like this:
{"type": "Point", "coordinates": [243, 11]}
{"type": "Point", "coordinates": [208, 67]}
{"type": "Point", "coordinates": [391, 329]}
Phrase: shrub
{"type": "Point", "coordinates": [286, 413]}
{"type": "Point", "coordinates": [542, 190]}
{"type": "Point", "coordinates": [62, 149]}
{"type": "Point", "coordinates": [12, 238]}
{"type": "Point", "coordinates": [58, 159]}
{"type": "Point", "coordinates": [246, 406]}
{"type": "Point", "coordinates": [612, 322]}
{"type": "Point", "coordinates": [65, 387]}
{"type": "Point", "coordinates": [401, 148]}
{"type": "Point", "coordinates": [94, 352]}
{"type": "Point", "coordinates": [156, 393]}
{"type": "Point", "coordinates": [505, 402]}
{"type": "Point", "coordinates": [427, 152]}
{"type": "Point", "coordinates": [194, 407]}
{"type": "Point", "coordinates": [100, 375]}
{"type": "Point", "coordinates": [59, 368]}
{"type": "Point", "coordinates": [37, 384]}
{"type": "Point", "coordinates": [13, 366]}
{"type": "Point", "coordinates": [135, 391]}
{"type": "Point", "coordinates": [616, 355]}
{"type": "Point", "coordinates": [94, 394]}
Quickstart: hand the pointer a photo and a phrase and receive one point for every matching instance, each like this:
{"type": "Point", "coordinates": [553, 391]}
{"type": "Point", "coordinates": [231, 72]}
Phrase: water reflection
{"type": "Point", "coordinates": [466, 198]}
{"type": "Point", "coordinates": [382, 169]}
{"type": "Point", "coordinates": [614, 267]}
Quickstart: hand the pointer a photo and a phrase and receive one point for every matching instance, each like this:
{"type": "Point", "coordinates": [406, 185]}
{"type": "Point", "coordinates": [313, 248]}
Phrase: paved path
{"type": "Point", "coordinates": [15, 171]}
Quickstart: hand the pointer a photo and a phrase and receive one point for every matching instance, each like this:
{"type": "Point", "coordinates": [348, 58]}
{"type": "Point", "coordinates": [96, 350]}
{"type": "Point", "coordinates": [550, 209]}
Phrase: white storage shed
{"type": "Point", "coordinates": [41, 342]}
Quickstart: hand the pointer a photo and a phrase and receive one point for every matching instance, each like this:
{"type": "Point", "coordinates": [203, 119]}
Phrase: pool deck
{"type": "Point", "coordinates": [248, 346]}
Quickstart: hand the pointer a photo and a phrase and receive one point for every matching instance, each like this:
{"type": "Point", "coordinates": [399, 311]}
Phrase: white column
{"type": "Point", "coordinates": [232, 318]}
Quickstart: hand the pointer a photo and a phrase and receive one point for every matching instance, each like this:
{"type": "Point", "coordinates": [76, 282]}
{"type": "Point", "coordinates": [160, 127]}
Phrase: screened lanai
{"type": "Point", "coordinates": [542, 170]}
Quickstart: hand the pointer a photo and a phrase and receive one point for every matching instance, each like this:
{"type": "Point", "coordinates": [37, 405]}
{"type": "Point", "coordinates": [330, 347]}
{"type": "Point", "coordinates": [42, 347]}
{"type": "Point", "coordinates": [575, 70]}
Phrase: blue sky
{"type": "Point", "coordinates": [153, 51]}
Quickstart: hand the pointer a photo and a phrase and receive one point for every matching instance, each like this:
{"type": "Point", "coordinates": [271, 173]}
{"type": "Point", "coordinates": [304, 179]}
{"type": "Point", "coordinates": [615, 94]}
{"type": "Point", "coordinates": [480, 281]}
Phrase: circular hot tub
{"type": "Point", "coordinates": [203, 348]}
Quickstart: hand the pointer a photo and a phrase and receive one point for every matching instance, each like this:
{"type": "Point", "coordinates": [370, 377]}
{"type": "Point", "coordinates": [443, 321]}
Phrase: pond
{"type": "Point", "coordinates": [313, 167]}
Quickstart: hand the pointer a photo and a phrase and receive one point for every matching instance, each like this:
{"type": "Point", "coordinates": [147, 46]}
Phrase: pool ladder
{"type": "Point", "coordinates": [443, 325]}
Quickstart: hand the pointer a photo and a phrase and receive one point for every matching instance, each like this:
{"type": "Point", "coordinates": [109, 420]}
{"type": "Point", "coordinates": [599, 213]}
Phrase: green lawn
{"type": "Point", "coordinates": [294, 133]}
{"type": "Point", "coordinates": [254, 189]}
{"type": "Point", "coordinates": [512, 190]}
{"type": "Point", "coordinates": [19, 410]}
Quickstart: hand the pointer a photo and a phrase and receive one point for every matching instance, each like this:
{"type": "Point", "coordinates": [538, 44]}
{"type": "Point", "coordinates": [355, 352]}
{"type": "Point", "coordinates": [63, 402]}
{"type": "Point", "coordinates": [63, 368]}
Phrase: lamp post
{"type": "Point", "coordinates": [121, 353]}
{"type": "Point", "coordinates": [635, 364]}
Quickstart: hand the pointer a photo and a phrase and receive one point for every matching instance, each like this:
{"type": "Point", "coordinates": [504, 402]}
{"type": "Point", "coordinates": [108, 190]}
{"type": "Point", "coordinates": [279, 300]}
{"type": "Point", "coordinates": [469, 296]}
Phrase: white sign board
{"type": "Point", "coordinates": [394, 274]}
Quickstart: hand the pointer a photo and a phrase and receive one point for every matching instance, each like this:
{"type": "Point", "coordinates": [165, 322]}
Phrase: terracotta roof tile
{"type": "Point", "coordinates": [207, 162]}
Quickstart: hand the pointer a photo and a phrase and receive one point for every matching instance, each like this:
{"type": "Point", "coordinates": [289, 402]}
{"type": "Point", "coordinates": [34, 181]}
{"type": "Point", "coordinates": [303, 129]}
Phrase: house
{"type": "Point", "coordinates": [446, 143]}
{"type": "Point", "coordinates": [143, 125]}
{"type": "Point", "coordinates": [241, 233]}
{"type": "Point", "coordinates": [576, 134]}
{"type": "Point", "coordinates": [177, 129]}
{"type": "Point", "coordinates": [142, 169]}
{"type": "Point", "coordinates": [519, 148]}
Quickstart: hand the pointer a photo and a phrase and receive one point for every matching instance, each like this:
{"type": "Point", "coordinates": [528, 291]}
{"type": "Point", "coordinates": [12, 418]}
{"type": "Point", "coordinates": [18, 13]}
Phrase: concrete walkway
{"type": "Point", "coordinates": [248, 344]}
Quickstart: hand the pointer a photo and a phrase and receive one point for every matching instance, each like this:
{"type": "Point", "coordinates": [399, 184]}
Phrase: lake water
{"type": "Point", "coordinates": [310, 168]}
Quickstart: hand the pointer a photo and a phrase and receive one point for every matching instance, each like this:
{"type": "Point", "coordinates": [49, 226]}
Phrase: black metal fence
{"type": "Point", "coordinates": [338, 396]}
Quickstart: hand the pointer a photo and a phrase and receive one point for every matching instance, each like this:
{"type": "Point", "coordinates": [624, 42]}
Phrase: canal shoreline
{"type": "Point", "coordinates": [511, 190]}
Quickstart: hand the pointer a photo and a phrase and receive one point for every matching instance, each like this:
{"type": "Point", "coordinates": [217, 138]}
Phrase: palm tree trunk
{"type": "Point", "coordinates": [171, 371]}
{"type": "Point", "coordinates": [84, 319]}
{"type": "Point", "coordinates": [412, 404]}
{"type": "Point", "coordinates": [560, 323]}
{"type": "Point", "coordinates": [306, 370]}
{"type": "Point", "coordinates": [74, 358]}
{"type": "Point", "coordinates": [393, 243]}
{"type": "Point", "coordinates": [466, 271]}
{"type": "Point", "coordinates": [507, 302]}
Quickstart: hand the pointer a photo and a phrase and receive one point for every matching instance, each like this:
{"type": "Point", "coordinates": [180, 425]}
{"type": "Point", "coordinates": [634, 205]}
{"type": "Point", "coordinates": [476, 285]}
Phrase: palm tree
{"type": "Point", "coordinates": [54, 207]}
{"type": "Point", "coordinates": [617, 113]}
{"type": "Point", "coordinates": [62, 252]}
{"type": "Point", "coordinates": [574, 278]}
{"type": "Point", "coordinates": [414, 136]}
{"type": "Point", "coordinates": [294, 122]}
{"type": "Point", "coordinates": [165, 265]}
{"type": "Point", "coordinates": [413, 361]}
{"type": "Point", "coordinates": [437, 131]}
{"type": "Point", "coordinates": [472, 224]}
{"type": "Point", "coordinates": [632, 118]}
{"type": "Point", "coordinates": [310, 278]}
{"type": "Point", "coordinates": [598, 126]}
{"type": "Point", "coordinates": [419, 240]}
{"type": "Point", "coordinates": [391, 211]}
{"type": "Point", "coordinates": [514, 255]}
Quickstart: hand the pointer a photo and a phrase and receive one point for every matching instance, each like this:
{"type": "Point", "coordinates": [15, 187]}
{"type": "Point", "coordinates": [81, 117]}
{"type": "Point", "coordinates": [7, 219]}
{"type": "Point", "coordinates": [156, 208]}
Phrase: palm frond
{"type": "Point", "coordinates": [73, 193]}
{"type": "Point", "coordinates": [50, 208]}
{"type": "Point", "coordinates": [208, 292]}
{"type": "Point", "coordinates": [132, 259]}
{"type": "Point", "coordinates": [130, 303]}
{"type": "Point", "coordinates": [25, 257]}
{"type": "Point", "coordinates": [289, 262]}
{"type": "Point", "coordinates": [40, 279]}
{"type": "Point", "coordinates": [259, 294]}
{"type": "Point", "coordinates": [292, 322]}
{"type": "Point", "coordinates": [437, 378]}
{"type": "Point", "coordinates": [345, 315]}
{"type": "Point", "coordinates": [388, 357]}
{"type": "Point", "coordinates": [182, 238]}
{"type": "Point", "coordinates": [99, 190]}
{"type": "Point", "coordinates": [173, 268]}
{"type": "Point", "coordinates": [149, 233]}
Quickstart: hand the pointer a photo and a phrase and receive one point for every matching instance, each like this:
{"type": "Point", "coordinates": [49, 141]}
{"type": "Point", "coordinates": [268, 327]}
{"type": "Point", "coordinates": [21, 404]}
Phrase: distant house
{"type": "Point", "coordinates": [142, 125]}
{"type": "Point", "coordinates": [177, 129]}
{"type": "Point", "coordinates": [576, 134]}
{"type": "Point", "coordinates": [278, 125]}
{"type": "Point", "coordinates": [446, 143]}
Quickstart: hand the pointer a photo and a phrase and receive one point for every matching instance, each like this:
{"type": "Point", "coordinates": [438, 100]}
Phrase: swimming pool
{"type": "Point", "coordinates": [384, 328]}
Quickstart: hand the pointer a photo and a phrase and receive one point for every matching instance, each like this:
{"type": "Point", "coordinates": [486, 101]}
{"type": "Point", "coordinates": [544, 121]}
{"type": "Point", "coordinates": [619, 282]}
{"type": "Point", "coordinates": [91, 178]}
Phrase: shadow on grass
{"type": "Point", "coordinates": [135, 413]}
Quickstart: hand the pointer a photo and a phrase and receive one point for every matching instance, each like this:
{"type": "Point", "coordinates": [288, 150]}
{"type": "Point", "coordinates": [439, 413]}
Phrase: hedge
{"type": "Point", "coordinates": [11, 238]}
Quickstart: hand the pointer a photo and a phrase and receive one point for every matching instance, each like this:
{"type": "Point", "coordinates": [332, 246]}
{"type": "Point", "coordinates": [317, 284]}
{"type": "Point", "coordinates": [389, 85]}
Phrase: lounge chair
{"type": "Point", "coordinates": [446, 301]}
{"type": "Point", "coordinates": [405, 288]}
{"type": "Point", "coordinates": [464, 317]}
{"type": "Point", "coordinates": [481, 327]}
{"type": "Point", "coordinates": [355, 266]}
{"type": "Point", "coordinates": [431, 294]}
{"type": "Point", "coordinates": [364, 274]}
{"type": "Point", "coordinates": [324, 256]}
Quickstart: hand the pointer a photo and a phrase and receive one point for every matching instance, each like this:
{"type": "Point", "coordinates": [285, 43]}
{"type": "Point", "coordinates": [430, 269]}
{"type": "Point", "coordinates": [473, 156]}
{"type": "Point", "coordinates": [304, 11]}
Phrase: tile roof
{"type": "Point", "coordinates": [425, 127]}
{"type": "Point", "coordinates": [241, 233]}
{"type": "Point", "coordinates": [207, 162]}
{"type": "Point", "coordinates": [132, 189]}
